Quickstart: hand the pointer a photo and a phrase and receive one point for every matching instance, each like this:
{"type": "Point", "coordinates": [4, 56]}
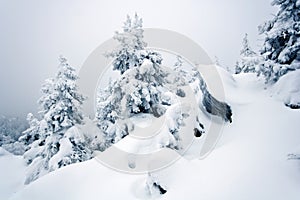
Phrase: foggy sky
{"type": "Point", "coordinates": [34, 33]}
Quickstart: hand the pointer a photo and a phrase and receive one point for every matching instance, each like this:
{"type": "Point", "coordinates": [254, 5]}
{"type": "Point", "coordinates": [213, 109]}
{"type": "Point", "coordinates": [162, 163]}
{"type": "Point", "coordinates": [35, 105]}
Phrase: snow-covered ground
{"type": "Point", "coordinates": [249, 162]}
{"type": "Point", "coordinates": [12, 170]}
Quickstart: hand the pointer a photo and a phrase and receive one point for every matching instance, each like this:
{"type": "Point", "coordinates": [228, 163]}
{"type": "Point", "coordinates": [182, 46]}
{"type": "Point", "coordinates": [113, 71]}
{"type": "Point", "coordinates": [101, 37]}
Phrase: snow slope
{"type": "Point", "coordinates": [249, 162]}
{"type": "Point", "coordinates": [12, 170]}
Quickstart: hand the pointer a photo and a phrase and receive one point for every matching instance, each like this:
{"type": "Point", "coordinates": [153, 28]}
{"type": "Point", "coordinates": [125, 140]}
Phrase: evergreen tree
{"type": "Point", "coordinates": [60, 101]}
{"type": "Point", "coordinates": [138, 90]}
{"type": "Point", "coordinates": [282, 40]}
{"type": "Point", "coordinates": [131, 51]}
{"type": "Point", "coordinates": [54, 141]}
{"type": "Point", "coordinates": [146, 87]}
{"type": "Point", "coordinates": [249, 60]}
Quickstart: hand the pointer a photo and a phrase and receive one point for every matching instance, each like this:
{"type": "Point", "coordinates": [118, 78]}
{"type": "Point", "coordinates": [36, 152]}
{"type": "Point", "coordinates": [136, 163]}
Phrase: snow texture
{"type": "Point", "coordinates": [234, 170]}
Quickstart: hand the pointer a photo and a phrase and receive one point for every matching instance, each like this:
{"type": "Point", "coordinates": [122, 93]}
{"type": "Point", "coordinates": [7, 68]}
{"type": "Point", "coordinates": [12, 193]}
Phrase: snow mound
{"type": "Point", "coordinates": [287, 89]}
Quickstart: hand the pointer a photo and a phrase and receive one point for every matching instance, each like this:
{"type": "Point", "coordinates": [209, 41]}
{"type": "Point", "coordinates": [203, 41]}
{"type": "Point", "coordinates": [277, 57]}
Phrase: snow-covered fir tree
{"type": "Point", "coordinates": [282, 40]}
{"type": "Point", "coordinates": [55, 141]}
{"type": "Point", "coordinates": [146, 87]}
{"type": "Point", "coordinates": [131, 51]}
{"type": "Point", "coordinates": [141, 75]}
{"type": "Point", "coordinates": [138, 91]}
{"type": "Point", "coordinates": [249, 59]}
{"type": "Point", "coordinates": [61, 101]}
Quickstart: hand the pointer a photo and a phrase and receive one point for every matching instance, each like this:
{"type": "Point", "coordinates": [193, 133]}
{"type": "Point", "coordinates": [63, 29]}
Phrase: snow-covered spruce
{"type": "Point", "coordinates": [55, 141]}
{"type": "Point", "coordinates": [282, 40]}
{"type": "Point", "coordinates": [139, 90]}
{"type": "Point", "coordinates": [145, 86]}
{"type": "Point", "coordinates": [249, 59]}
{"type": "Point", "coordinates": [131, 51]}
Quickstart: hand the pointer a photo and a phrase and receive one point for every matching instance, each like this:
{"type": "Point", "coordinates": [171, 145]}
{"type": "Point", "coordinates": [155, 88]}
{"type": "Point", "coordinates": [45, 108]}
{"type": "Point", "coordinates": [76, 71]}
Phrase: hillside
{"type": "Point", "coordinates": [249, 162]}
